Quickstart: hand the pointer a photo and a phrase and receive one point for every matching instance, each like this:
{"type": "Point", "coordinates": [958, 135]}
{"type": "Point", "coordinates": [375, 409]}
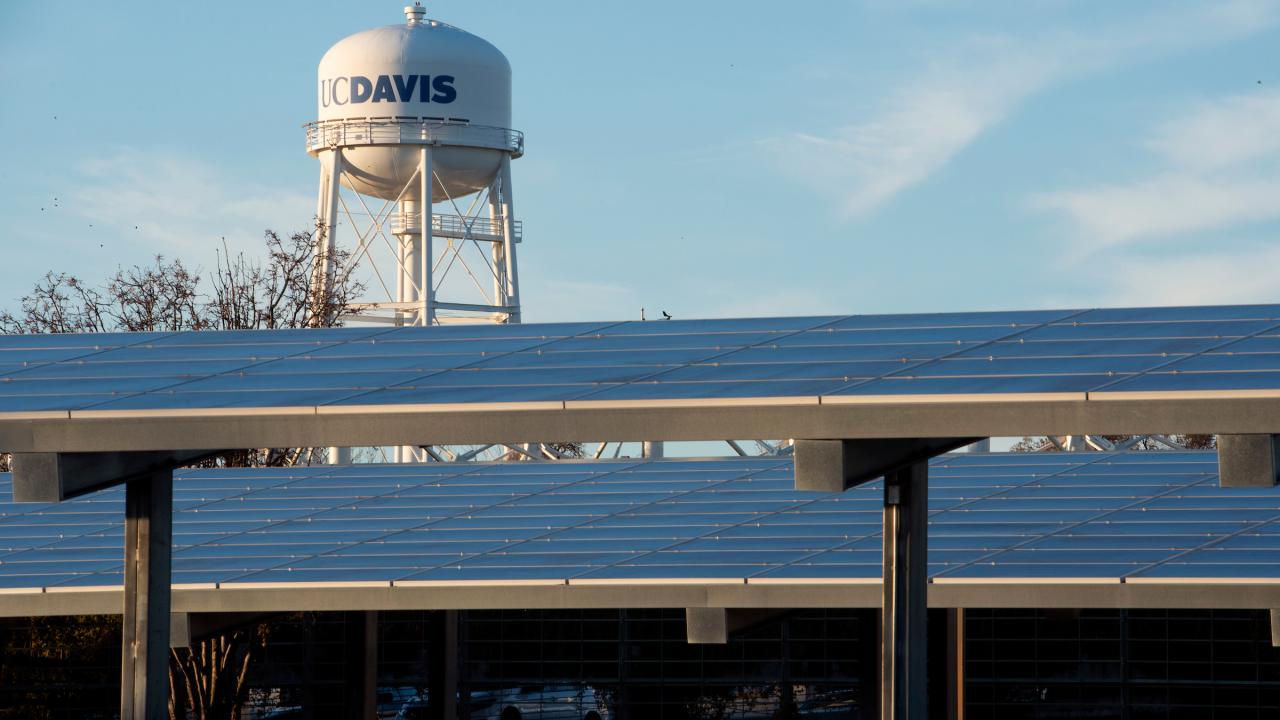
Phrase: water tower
{"type": "Point", "coordinates": [398, 104]}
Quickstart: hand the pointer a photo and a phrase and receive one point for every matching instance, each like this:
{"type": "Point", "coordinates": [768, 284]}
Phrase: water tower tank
{"type": "Point", "coordinates": [384, 92]}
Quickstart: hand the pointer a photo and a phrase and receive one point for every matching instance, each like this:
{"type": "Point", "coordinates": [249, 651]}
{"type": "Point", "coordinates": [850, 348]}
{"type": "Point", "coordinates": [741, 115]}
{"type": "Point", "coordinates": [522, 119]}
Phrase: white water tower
{"type": "Point", "coordinates": [398, 104]}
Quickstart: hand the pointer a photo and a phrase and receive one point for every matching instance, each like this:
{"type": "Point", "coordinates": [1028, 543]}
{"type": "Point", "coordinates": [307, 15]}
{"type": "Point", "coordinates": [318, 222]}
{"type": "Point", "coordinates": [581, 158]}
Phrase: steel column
{"type": "Point", "coordinates": [903, 646]}
{"type": "Point", "coordinates": [148, 548]}
{"type": "Point", "coordinates": [955, 663]}
{"type": "Point", "coordinates": [361, 637]}
{"type": "Point", "coordinates": [442, 668]}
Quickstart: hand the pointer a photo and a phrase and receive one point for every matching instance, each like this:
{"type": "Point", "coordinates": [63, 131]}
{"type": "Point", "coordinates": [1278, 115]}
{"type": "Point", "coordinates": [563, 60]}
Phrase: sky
{"type": "Point", "coordinates": [708, 159]}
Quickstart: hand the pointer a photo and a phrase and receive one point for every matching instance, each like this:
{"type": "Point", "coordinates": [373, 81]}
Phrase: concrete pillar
{"type": "Point", "coordinates": [148, 549]}
{"type": "Point", "coordinates": [904, 646]}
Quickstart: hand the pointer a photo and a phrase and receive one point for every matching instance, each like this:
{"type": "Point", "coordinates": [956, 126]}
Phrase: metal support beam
{"type": "Point", "coordinates": [148, 538]}
{"type": "Point", "coordinates": [361, 664]}
{"type": "Point", "coordinates": [955, 664]}
{"type": "Point", "coordinates": [715, 626]}
{"type": "Point", "coordinates": [442, 668]}
{"type": "Point", "coordinates": [1275, 628]}
{"type": "Point", "coordinates": [706, 626]}
{"type": "Point", "coordinates": [54, 477]}
{"type": "Point", "coordinates": [186, 628]}
{"type": "Point", "coordinates": [1247, 460]}
{"type": "Point", "coordinates": [179, 630]}
{"type": "Point", "coordinates": [903, 647]}
{"type": "Point", "coordinates": [837, 465]}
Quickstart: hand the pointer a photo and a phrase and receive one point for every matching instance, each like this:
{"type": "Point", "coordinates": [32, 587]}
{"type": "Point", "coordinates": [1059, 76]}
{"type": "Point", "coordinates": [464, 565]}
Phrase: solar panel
{"type": "Point", "coordinates": [1003, 353]}
{"type": "Point", "coordinates": [1034, 516]}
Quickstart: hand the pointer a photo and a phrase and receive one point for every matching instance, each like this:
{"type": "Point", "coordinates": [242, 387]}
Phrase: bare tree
{"type": "Point", "coordinates": [166, 296]}
{"type": "Point", "coordinates": [282, 291]}
{"type": "Point", "coordinates": [1129, 442]}
{"type": "Point", "coordinates": [210, 677]}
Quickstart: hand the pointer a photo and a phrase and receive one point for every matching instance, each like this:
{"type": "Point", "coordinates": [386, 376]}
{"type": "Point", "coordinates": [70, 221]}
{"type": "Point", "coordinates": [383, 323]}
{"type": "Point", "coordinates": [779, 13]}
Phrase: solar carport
{"type": "Point", "coordinates": [865, 397]}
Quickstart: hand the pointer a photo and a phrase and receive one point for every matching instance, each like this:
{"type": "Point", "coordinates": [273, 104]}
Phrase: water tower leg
{"type": "Point", "coordinates": [326, 246]}
{"type": "Point", "coordinates": [509, 241]}
{"type": "Point", "coordinates": [416, 253]}
{"type": "Point", "coordinates": [326, 228]}
{"type": "Point", "coordinates": [498, 251]}
{"type": "Point", "coordinates": [410, 285]}
{"type": "Point", "coordinates": [426, 315]}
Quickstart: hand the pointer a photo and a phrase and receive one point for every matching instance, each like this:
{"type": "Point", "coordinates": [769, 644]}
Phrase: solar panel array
{"type": "Point", "coordinates": [852, 358]}
{"type": "Point", "coordinates": [1018, 515]}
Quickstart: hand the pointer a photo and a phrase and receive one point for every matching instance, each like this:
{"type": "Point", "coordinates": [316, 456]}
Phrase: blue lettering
{"type": "Point", "coordinates": [382, 92]}
{"type": "Point", "coordinates": [445, 92]}
{"type": "Point", "coordinates": [361, 88]}
{"type": "Point", "coordinates": [387, 88]}
{"type": "Point", "coordinates": [405, 86]}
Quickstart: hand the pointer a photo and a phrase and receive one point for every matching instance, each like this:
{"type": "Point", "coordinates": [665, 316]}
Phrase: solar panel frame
{"type": "Point", "coordinates": [730, 523]}
{"type": "Point", "coordinates": [976, 374]}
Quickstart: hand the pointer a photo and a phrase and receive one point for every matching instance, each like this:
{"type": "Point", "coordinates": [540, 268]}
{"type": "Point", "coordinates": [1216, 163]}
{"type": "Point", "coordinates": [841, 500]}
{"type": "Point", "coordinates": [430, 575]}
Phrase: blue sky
{"type": "Point", "coordinates": [711, 158]}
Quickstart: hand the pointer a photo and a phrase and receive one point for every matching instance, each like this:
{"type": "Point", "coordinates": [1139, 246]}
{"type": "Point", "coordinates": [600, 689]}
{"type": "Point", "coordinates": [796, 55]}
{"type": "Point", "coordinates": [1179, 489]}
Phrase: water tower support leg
{"type": "Point", "coordinates": [498, 253]}
{"type": "Point", "coordinates": [509, 241]}
{"type": "Point", "coordinates": [427, 294]}
{"type": "Point", "coordinates": [326, 231]}
{"type": "Point", "coordinates": [327, 221]}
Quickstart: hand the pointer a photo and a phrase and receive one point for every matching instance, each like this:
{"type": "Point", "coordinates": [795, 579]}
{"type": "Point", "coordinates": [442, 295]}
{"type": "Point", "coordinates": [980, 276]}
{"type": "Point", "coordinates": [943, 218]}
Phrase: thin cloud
{"type": "Point", "coordinates": [169, 203]}
{"type": "Point", "coordinates": [970, 89]}
{"type": "Point", "coordinates": [1237, 132]}
{"type": "Point", "coordinates": [1194, 279]}
{"type": "Point", "coordinates": [918, 132]}
{"type": "Point", "coordinates": [1221, 170]}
